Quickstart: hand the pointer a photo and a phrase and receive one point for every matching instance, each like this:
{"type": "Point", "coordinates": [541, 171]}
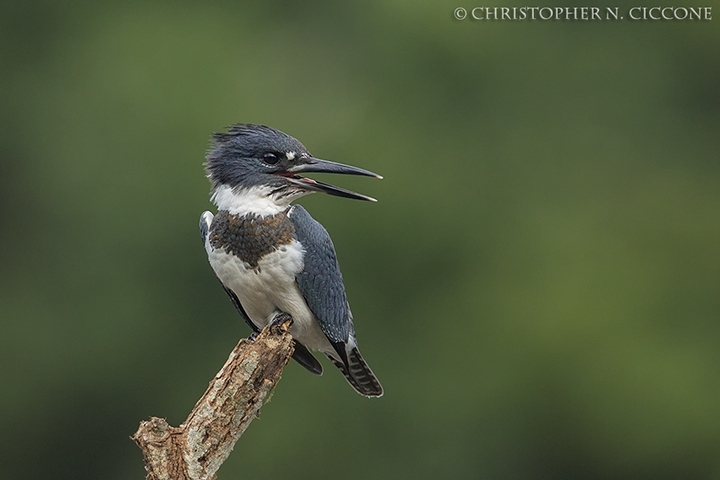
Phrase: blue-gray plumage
{"type": "Point", "coordinates": [274, 258]}
{"type": "Point", "coordinates": [321, 281]}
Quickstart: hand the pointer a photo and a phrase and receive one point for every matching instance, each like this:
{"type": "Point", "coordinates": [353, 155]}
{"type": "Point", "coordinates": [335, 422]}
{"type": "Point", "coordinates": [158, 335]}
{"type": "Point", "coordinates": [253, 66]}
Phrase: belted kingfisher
{"type": "Point", "coordinates": [273, 258]}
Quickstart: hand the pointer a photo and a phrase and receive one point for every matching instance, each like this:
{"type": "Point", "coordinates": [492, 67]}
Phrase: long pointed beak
{"type": "Point", "coordinates": [317, 165]}
{"type": "Point", "coordinates": [326, 166]}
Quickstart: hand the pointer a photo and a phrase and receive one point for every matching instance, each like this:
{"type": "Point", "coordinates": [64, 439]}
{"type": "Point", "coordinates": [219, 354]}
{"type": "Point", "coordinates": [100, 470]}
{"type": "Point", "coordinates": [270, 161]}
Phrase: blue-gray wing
{"type": "Point", "coordinates": [320, 281]}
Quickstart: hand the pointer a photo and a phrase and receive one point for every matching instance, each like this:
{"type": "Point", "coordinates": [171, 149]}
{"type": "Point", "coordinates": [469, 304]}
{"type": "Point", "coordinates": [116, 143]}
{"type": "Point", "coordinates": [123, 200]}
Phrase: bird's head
{"type": "Point", "coordinates": [267, 163]}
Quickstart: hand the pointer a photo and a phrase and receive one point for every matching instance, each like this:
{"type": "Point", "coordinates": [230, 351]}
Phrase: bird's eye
{"type": "Point", "coordinates": [270, 158]}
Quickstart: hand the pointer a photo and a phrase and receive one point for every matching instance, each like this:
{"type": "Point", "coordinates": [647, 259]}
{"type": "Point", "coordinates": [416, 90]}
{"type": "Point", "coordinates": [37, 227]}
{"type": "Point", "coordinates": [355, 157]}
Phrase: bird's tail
{"type": "Point", "coordinates": [358, 374]}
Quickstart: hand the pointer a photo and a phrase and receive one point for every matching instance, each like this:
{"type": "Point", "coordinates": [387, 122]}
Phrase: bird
{"type": "Point", "coordinates": [271, 257]}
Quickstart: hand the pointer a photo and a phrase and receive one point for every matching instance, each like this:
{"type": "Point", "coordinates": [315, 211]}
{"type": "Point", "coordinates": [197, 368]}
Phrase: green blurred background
{"type": "Point", "coordinates": [538, 288]}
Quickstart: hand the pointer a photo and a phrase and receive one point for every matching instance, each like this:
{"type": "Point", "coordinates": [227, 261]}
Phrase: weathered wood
{"type": "Point", "coordinates": [196, 449]}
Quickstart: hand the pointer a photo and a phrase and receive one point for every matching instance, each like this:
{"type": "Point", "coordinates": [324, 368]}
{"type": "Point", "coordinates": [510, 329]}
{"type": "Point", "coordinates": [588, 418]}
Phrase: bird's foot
{"type": "Point", "coordinates": [253, 336]}
{"type": "Point", "coordinates": [281, 323]}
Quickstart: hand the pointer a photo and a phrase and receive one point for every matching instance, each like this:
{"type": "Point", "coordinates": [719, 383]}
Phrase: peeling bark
{"type": "Point", "coordinates": [196, 449]}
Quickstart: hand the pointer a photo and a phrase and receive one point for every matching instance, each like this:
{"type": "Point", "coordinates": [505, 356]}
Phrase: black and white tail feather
{"type": "Point", "coordinates": [358, 374]}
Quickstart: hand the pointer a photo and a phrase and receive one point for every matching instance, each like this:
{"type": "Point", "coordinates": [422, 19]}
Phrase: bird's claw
{"type": "Point", "coordinates": [281, 323]}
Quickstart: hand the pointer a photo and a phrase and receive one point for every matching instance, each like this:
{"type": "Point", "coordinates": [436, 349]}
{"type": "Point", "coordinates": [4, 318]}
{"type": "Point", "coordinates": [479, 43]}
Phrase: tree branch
{"type": "Point", "coordinates": [196, 449]}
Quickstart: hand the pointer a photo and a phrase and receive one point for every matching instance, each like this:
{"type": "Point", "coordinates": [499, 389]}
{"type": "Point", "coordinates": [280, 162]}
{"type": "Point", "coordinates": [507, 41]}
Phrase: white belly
{"type": "Point", "coordinates": [270, 288]}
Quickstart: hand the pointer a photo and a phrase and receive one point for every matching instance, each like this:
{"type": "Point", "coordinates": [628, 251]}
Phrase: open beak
{"type": "Point", "coordinates": [313, 164]}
